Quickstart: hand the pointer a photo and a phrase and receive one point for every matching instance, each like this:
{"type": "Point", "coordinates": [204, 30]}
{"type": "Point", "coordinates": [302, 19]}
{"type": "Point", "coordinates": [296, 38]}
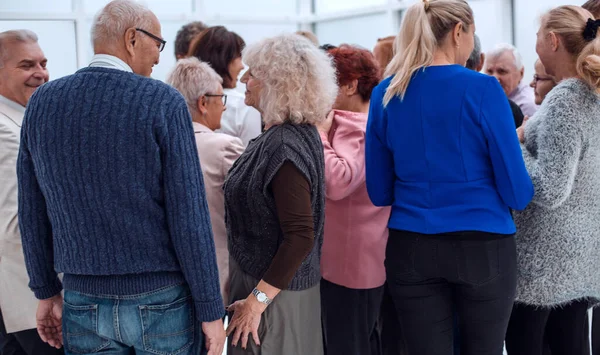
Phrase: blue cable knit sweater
{"type": "Point", "coordinates": [111, 190]}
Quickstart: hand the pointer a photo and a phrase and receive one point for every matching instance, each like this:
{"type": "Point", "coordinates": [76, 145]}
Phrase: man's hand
{"type": "Point", "coordinates": [214, 332]}
{"type": "Point", "coordinates": [49, 321]}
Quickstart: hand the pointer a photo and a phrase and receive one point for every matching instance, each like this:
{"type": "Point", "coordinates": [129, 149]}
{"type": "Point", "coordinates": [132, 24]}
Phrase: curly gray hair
{"type": "Point", "coordinates": [193, 79]}
{"type": "Point", "coordinates": [299, 80]}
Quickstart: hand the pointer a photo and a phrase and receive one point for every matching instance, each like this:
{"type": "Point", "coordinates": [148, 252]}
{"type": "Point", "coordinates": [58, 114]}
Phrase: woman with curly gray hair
{"type": "Point", "coordinates": [275, 202]}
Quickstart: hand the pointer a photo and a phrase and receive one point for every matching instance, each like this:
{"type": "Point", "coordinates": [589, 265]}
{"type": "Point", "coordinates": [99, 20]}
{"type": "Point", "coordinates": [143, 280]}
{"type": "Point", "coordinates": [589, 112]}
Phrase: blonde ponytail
{"type": "Point", "coordinates": [588, 64]}
{"type": "Point", "coordinates": [424, 26]}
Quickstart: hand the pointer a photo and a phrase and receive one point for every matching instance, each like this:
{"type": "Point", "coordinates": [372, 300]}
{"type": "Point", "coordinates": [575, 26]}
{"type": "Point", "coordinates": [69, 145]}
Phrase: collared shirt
{"type": "Point", "coordinates": [525, 98]}
{"type": "Point", "coordinates": [109, 61]}
{"type": "Point", "coordinates": [14, 105]}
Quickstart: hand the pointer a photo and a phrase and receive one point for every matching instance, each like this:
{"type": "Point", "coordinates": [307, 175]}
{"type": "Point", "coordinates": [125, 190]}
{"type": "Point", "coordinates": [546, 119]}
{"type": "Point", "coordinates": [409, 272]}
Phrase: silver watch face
{"type": "Point", "coordinates": [261, 297]}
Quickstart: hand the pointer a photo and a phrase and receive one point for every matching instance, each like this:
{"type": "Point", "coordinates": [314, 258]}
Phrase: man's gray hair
{"type": "Point", "coordinates": [116, 17]}
{"type": "Point", "coordinates": [193, 79]}
{"type": "Point", "coordinates": [503, 48]}
{"type": "Point", "coordinates": [475, 58]}
{"type": "Point", "coordinates": [23, 36]}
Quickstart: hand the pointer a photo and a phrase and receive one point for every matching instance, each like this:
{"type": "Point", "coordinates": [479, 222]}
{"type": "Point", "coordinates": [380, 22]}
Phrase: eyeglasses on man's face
{"type": "Point", "coordinates": [222, 96]}
{"type": "Point", "coordinates": [161, 41]}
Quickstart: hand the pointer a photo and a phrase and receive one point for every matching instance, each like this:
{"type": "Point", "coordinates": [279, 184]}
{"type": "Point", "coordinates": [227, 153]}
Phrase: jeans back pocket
{"type": "Point", "coordinates": [168, 329]}
{"type": "Point", "coordinates": [80, 326]}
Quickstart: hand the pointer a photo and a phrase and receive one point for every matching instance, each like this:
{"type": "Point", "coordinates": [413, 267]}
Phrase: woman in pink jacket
{"type": "Point", "coordinates": [355, 230]}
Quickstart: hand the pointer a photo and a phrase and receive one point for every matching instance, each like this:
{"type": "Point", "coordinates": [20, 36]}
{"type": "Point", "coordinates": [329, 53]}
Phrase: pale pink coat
{"type": "Point", "coordinates": [355, 230]}
{"type": "Point", "coordinates": [217, 152]}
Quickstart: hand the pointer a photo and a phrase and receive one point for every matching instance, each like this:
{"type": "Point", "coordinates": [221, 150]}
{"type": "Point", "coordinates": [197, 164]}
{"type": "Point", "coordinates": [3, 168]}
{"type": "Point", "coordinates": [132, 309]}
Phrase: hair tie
{"type": "Point", "coordinates": [591, 30]}
{"type": "Point", "coordinates": [426, 4]}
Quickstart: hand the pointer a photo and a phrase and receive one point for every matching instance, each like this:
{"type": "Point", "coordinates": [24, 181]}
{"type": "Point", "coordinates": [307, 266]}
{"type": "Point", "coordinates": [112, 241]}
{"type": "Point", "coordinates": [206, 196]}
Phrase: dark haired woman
{"type": "Point", "coordinates": [222, 49]}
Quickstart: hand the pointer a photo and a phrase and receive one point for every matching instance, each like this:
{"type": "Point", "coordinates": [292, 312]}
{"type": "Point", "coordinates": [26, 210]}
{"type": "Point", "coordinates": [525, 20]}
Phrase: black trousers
{"type": "Point", "coordinates": [27, 342]}
{"type": "Point", "coordinates": [565, 330]}
{"type": "Point", "coordinates": [349, 319]}
{"type": "Point", "coordinates": [392, 339]}
{"type": "Point", "coordinates": [596, 331]}
{"type": "Point", "coordinates": [433, 278]}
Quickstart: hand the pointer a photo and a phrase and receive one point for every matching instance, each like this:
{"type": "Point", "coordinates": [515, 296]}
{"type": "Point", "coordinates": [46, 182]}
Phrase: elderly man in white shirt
{"type": "Point", "coordinates": [505, 63]}
{"type": "Point", "coordinates": [22, 70]}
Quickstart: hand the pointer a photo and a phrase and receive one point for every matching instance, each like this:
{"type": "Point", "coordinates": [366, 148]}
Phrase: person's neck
{"type": "Point", "coordinates": [441, 57]}
{"type": "Point", "coordinates": [199, 118]}
{"type": "Point", "coordinates": [121, 54]}
{"type": "Point", "coordinates": [565, 72]}
{"type": "Point", "coordinates": [357, 105]}
{"type": "Point", "coordinates": [8, 96]}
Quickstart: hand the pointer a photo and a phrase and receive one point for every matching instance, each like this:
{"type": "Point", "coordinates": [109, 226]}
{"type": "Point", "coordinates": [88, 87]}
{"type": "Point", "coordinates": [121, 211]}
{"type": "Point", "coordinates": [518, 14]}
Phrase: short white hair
{"type": "Point", "coordinates": [299, 79]}
{"type": "Point", "coordinates": [23, 36]}
{"type": "Point", "coordinates": [116, 17]}
{"type": "Point", "coordinates": [193, 79]}
{"type": "Point", "coordinates": [503, 48]}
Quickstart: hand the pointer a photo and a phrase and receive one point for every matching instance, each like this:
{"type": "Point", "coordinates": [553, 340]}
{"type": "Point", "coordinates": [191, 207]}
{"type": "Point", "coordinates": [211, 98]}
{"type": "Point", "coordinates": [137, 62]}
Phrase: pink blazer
{"type": "Point", "coordinates": [355, 230]}
{"type": "Point", "coordinates": [217, 153]}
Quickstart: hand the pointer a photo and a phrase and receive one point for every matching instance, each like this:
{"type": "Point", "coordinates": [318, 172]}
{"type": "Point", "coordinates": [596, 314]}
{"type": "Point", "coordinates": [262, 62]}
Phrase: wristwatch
{"type": "Point", "coordinates": [261, 297]}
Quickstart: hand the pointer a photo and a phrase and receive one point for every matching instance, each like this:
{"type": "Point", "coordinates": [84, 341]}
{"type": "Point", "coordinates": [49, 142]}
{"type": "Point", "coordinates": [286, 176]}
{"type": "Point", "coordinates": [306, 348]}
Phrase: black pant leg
{"type": "Point", "coordinates": [349, 319]}
{"type": "Point", "coordinates": [526, 330]}
{"type": "Point", "coordinates": [392, 341]}
{"type": "Point", "coordinates": [596, 331]}
{"type": "Point", "coordinates": [485, 293]}
{"type": "Point", "coordinates": [423, 302]}
{"type": "Point", "coordinates": [33, 345]}
{"type": "Point", "coordinates": [9, 345]}
{"type": "Point", "coordinates": [568, 329]}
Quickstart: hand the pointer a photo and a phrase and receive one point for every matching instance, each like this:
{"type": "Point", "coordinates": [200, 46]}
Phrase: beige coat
{"type": "Point", "coordinates": [17, 302]}
{"type": "Point", "coordinates": [217, 152]}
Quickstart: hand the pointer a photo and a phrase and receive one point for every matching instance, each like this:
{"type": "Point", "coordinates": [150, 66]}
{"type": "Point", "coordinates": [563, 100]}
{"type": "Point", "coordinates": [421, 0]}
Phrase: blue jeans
{"type": "Point", "coordinates": [161, 322]}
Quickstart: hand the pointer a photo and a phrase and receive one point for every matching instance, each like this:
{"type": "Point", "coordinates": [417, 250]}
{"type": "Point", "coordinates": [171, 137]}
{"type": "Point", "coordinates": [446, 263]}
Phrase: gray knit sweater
{"type": "Point", "coordinates": [253, 231]}
{"type": "Point", "coordinates": [558, 235]}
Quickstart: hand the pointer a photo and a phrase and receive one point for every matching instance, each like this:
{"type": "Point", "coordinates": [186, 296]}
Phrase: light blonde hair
{"type": "Point", "coordinates": [298, 79]}
{"type": "Point", "coordinates": [384, 51]}
{"type": "Point", "coordinates": [194, 79]}
{"type": "Point", "coordinates": [569, 22]}
{"type": "Point", "coordinates": [425, 25]}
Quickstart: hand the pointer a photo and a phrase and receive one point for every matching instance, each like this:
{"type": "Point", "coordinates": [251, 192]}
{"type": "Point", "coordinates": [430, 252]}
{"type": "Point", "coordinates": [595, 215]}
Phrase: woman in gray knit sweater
{"type": "Point", "coordinates": [558, 240]}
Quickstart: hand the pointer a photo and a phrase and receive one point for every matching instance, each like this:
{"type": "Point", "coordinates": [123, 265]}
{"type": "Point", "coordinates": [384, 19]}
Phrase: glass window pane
{"type": "Point", "coordinates": [57, 40]}
{"type": "Point", "coordinates": [40, 6]}
{"type": "Point", "coordinates": [363, 31]}
{"type": "Point", "coordinates": [159, 7]}
{"type": "Point", "coordinates": [252, 33]}
{"type": "Point", "coordinates": [325, 6]}
{"type": "Point", "coordinates": [246, 7]}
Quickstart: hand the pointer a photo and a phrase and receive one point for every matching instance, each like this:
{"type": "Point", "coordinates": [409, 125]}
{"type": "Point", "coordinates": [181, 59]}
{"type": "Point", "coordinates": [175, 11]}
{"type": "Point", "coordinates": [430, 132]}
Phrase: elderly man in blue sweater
{"type": "Point", "coordinates": [111, 194]}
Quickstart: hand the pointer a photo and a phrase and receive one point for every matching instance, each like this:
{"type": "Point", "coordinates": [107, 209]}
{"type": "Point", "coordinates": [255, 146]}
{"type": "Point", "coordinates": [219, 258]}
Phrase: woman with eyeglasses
{"type": "Point", "coordinates": [558, 249]}
{"type": "Point", "coordinates": [201, 87]}
{"type": "Point", "coordinates": [542, 83]}
{"type": "Point", "coordinates": [222, 49]}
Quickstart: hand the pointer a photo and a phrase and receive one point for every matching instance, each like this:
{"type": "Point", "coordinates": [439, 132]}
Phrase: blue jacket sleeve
{"type": "Point", "coordinates": [512, 179]}
{"type": "Point", "coordinates": [379, 159]}
{"type": "Point", "coordinates": [187, 212]}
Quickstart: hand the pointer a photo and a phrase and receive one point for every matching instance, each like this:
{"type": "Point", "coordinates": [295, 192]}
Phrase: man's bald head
{"type": "Point", "coordinates": [129, 31]}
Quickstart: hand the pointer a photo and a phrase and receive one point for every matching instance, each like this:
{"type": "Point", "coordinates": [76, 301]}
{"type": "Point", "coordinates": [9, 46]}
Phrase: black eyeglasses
{"type": "Point", "coordinates": [222, 96]}
{"type": "Point", "coordinates": [156, 38]}
{"type": "Point", "coordinates": [537, 78]}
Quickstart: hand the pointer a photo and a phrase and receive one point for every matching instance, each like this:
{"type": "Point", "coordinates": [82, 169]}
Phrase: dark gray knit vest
{"type": "Point", "coordinates": [253, 229]}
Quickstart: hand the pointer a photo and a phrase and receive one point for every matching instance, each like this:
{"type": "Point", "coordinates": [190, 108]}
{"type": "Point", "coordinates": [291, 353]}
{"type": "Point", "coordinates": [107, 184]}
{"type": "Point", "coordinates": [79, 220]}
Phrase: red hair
{"type": "Point", "coordinates": [353, 63]}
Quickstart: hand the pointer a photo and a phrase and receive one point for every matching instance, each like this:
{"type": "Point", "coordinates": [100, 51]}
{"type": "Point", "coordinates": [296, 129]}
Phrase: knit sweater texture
{"type": "Point", "coordinates": [111, 191]}
{"type": "Point", "coordinates": [253, 230]}
{"type": "Point", "coordinates": [558, 241]}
